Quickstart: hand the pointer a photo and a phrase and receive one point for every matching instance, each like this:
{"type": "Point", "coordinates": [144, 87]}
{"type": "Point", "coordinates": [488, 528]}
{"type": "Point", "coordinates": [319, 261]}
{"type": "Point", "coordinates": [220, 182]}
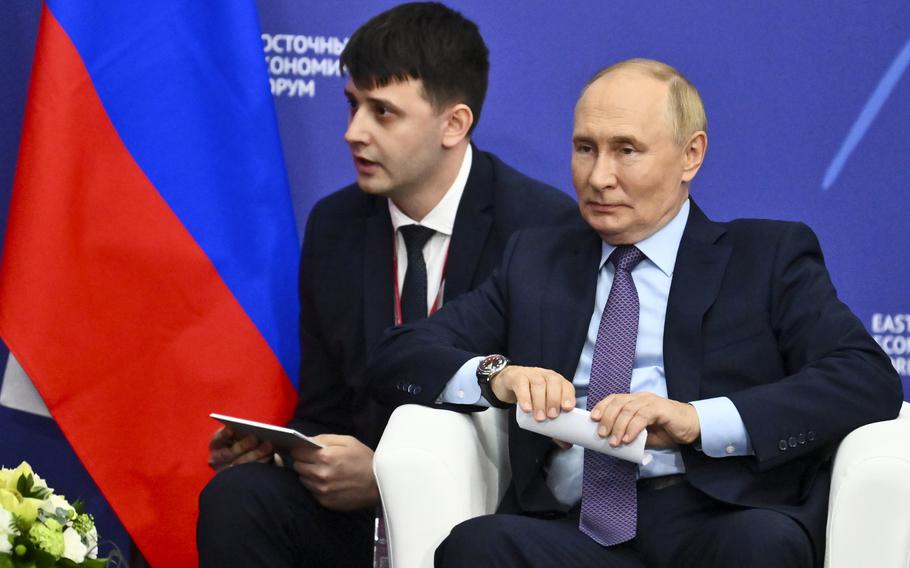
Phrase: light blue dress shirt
{"type": "Point", "coordinates": [723, 433]}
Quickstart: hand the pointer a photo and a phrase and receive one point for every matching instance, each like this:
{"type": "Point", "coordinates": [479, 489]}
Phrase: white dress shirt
{"type": "Point", "coordinates": [722, 430]}
{"type": "Point", "coordinates": [442, 220]}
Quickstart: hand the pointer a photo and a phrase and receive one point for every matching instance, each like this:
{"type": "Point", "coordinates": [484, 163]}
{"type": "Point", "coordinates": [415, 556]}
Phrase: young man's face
{"type": "Point", "coordinates": [395, 136]}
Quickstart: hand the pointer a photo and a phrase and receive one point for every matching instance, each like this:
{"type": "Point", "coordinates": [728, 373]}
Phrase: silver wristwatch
{"type": "Point", "coordinates": [489, 367]}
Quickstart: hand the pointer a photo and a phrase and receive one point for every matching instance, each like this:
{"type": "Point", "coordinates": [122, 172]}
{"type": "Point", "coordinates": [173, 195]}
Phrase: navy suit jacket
{"type": "Point", "coordinates": [751, 315]}
{"type": "Point", "coordinates": [346, 286]}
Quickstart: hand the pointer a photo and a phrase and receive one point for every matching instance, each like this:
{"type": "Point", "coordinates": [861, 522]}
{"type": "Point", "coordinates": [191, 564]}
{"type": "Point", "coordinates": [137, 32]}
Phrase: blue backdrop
{"type": "Point", "coordinates": [808, 104]}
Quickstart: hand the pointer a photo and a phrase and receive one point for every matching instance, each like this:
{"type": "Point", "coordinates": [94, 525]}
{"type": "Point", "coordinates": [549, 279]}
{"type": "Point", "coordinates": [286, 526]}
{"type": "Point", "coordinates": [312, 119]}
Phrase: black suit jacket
{"type": "Point", "coordinates": [751, 315]}
{"type": "Point", "coordinates": [346, 286]}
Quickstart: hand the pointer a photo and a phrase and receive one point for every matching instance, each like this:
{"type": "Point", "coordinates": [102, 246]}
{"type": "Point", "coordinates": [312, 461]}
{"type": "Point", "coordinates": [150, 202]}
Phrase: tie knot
{"type": "Point", "coordinates": [415, 237]}
{"type": "Point", "coordinates": [625, 257]}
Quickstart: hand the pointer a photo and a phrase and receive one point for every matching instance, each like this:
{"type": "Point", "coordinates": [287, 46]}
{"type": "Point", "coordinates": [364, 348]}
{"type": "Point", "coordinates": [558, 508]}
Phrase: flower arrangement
{"type": "Point", "coordinates": [39, 529]}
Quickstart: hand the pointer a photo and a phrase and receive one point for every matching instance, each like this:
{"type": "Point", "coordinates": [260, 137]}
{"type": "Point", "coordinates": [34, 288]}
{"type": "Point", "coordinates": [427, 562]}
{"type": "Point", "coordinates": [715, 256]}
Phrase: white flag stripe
{"type": "Point", "coordinates": [18, 392]}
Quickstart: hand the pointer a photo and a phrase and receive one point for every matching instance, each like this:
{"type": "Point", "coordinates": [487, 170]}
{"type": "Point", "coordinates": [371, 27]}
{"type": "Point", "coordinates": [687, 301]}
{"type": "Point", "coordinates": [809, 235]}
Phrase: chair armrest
{"type": "Point", "coordinates": [436, 468]}
{"type": "Point", "coordinates": [869, 506]}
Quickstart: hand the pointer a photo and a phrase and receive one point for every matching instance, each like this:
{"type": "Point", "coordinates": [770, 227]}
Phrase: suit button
{"type": "Point", "coordinates": [417, 389]}
{"type": "Point", "coordinates": [782, 445]}
{"type": "Point", "coordinates": [802, 438]}
{"type": "Point", "coordinates": [792, 441]}
{"type": "Point", "coordinates": [811, 436]}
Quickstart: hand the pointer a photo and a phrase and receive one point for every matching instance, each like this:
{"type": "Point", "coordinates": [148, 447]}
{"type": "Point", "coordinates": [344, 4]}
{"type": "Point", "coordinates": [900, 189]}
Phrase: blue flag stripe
{"type": "Point", "coordinates": [195, 70]}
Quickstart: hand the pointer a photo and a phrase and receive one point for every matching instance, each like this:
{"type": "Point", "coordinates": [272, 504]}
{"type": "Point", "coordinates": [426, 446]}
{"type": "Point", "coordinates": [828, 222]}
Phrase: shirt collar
{"type": "Point", "coordinates": [661, 247]}
{"type": "Point", "coordinates": [442, 217]}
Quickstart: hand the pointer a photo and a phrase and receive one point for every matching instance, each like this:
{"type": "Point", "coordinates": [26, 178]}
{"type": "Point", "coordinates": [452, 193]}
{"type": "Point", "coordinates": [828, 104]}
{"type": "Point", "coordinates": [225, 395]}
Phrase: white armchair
{"type": "Point", "coordinates": [436, 468]}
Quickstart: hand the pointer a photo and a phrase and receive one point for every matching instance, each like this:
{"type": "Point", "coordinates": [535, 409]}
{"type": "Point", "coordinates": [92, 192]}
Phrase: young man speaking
{"type": "Point", "coordinates": [426, 221]}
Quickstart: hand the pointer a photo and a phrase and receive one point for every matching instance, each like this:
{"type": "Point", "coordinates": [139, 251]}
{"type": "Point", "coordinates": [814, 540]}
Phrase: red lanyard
{"type": "Point", "coordinates": [436, 304]}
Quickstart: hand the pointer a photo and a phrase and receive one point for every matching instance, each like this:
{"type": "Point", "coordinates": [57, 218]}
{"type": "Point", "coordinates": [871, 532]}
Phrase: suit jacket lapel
{"type": "Point", "coordinates": [469, 234]}
{"type": "Point", "coordinates": [567, 295]}
{"type": "Point", "coordinates": [472, 227]}
{"type": "Point", "coordinates": [378, 292]}
{"type": "Point", "coordinates": [568, 303]}
{"type": "Point", "coordinates": [700, 266]}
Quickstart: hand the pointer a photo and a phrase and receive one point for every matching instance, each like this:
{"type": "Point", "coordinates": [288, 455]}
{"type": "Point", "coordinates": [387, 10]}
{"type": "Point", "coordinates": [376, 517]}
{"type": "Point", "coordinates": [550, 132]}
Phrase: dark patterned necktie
{"type": "Point", "coordinates": [609, 507]}
{"type": "Point", "coordinates": [414, 290]}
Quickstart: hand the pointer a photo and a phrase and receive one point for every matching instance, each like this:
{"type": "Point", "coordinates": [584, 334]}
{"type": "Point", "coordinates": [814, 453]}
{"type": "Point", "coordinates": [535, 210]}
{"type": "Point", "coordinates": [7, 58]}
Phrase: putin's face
{"type": "Point", "coordinates": [630, 175]}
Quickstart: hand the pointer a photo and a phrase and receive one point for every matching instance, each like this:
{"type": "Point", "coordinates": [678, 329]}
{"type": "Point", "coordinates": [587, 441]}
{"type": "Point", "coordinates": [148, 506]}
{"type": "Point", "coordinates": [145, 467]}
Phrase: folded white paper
{"type": "Point", "coordinates": [280, 437]}
{"type": "Point", "coordinates": [576, 427]}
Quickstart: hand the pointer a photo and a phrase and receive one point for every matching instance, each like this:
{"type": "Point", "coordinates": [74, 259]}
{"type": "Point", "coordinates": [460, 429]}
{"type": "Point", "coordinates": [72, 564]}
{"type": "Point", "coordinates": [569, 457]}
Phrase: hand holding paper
{"type": "Point", "coordinates": [576, 426]}
{"type": "Point", "coordinates": [279, 436]}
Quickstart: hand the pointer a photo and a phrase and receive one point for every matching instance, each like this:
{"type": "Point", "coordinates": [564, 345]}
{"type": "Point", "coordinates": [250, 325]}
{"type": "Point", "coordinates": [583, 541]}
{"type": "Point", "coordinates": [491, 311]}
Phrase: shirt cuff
{"type": "Point", "coordinates": [462, 388]}
{"type": "Point", "coordinates": [723, 433]}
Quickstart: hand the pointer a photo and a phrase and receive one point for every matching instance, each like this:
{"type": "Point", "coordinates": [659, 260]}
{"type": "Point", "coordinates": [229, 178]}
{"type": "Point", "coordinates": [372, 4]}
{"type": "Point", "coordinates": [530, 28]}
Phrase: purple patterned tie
{"type": "Point", "coordinates": [609, 507]}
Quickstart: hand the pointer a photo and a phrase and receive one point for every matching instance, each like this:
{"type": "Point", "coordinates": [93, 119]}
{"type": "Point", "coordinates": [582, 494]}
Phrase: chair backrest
{"type": "Point", "coordinates": [869, 505]}
{"type": "Point", "coordinates": [436, 468]}
{"type": "Point", "coordinates": [493, 432]}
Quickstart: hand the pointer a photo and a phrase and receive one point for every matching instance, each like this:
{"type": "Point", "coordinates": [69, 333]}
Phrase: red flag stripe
{"type": "Point", "coordinates": [117, 315]}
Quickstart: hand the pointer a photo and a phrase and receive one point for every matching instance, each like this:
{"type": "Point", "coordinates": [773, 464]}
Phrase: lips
{"type": "Point", "coordinates": [603, 207]}
{"type": "Point", "coordinates": [365, 166]}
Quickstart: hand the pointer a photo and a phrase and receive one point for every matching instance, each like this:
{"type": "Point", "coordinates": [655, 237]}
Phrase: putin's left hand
{"type": "Point", "coordinates": [339, 475]}
{"type": "Point", "coordinates": [623, 416]}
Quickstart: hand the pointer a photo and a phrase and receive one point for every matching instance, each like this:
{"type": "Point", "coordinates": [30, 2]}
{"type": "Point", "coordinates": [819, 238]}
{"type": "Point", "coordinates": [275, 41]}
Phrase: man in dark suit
{"type": "Point", "coordinates": [725, 340]}
{"type": "Point", "coordinates": [427, 220]}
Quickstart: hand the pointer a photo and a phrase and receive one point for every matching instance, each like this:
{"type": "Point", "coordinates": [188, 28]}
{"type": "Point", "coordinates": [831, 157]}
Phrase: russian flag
{"type": "Point", "coordinates": [149, 268]}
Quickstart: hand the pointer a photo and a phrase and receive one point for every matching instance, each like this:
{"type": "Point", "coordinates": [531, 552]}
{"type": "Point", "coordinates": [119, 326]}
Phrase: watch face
{"type": "Point", "coordinates": [488, 368]}
{"type": "Point", "coordinates": [490, 365]}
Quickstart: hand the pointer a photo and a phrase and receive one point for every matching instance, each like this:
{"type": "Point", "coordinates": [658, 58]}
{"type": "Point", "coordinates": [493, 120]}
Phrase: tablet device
{"type": "Point", "coordinates": [280, 437]}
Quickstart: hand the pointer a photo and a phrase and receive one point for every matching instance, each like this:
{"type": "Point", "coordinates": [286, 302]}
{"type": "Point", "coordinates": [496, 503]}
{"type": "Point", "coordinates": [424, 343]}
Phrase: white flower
{"type": "Point", "coordinates": [39, 482]}
{"type": "Point", "coordinates": [91, 541]}
{"type": "Point", "coordinates": [55, 502]}
{"type": "Point", "coordinates": [6, 530]}
{"type": "Point", "coordinates": [73, 548]}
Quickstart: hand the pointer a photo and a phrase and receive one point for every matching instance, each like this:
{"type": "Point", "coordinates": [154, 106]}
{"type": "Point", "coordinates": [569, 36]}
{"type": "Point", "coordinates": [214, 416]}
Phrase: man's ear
{"type": "Point", "coordinates": [694, 154]}
{"type": "Point", "coordinates": [459, 119]}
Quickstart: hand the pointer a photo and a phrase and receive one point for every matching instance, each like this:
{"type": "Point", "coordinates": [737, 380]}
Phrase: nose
{"type": "Point", "coordinates": [603, 173]}
{"type": "Point", "coordinates": [357, 132]}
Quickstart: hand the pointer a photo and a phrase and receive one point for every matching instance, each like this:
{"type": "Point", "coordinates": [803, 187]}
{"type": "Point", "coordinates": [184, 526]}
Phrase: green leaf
{"type": "Point", "coordinates": [21, 525]}
{"type": "Point", "coordinates": [43, 559]}
{"type": "Point", "coordinates": [24, 485]}
{"type": "Point", "coordinates": [6, 561]}
{"type": "Point", "coordinates": [94, 563]}
{"type": "Point", "coordinates": [26, 488]}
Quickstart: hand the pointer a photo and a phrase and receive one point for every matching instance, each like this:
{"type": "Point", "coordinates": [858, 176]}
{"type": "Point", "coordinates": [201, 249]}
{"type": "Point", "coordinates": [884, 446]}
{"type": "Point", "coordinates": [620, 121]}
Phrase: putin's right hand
{"type": "Point", "coordinates": [543, 392]}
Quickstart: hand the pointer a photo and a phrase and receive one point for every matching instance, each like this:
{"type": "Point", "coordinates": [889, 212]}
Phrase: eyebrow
{"type": "Point", "coordinates": [624, 139]}
{"type": "Point", "coordinates": [375, 101]}
{"type": "Point", "coordinates": [582, 138]}
{"type": "Point", "coordinates": [612, 141]}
